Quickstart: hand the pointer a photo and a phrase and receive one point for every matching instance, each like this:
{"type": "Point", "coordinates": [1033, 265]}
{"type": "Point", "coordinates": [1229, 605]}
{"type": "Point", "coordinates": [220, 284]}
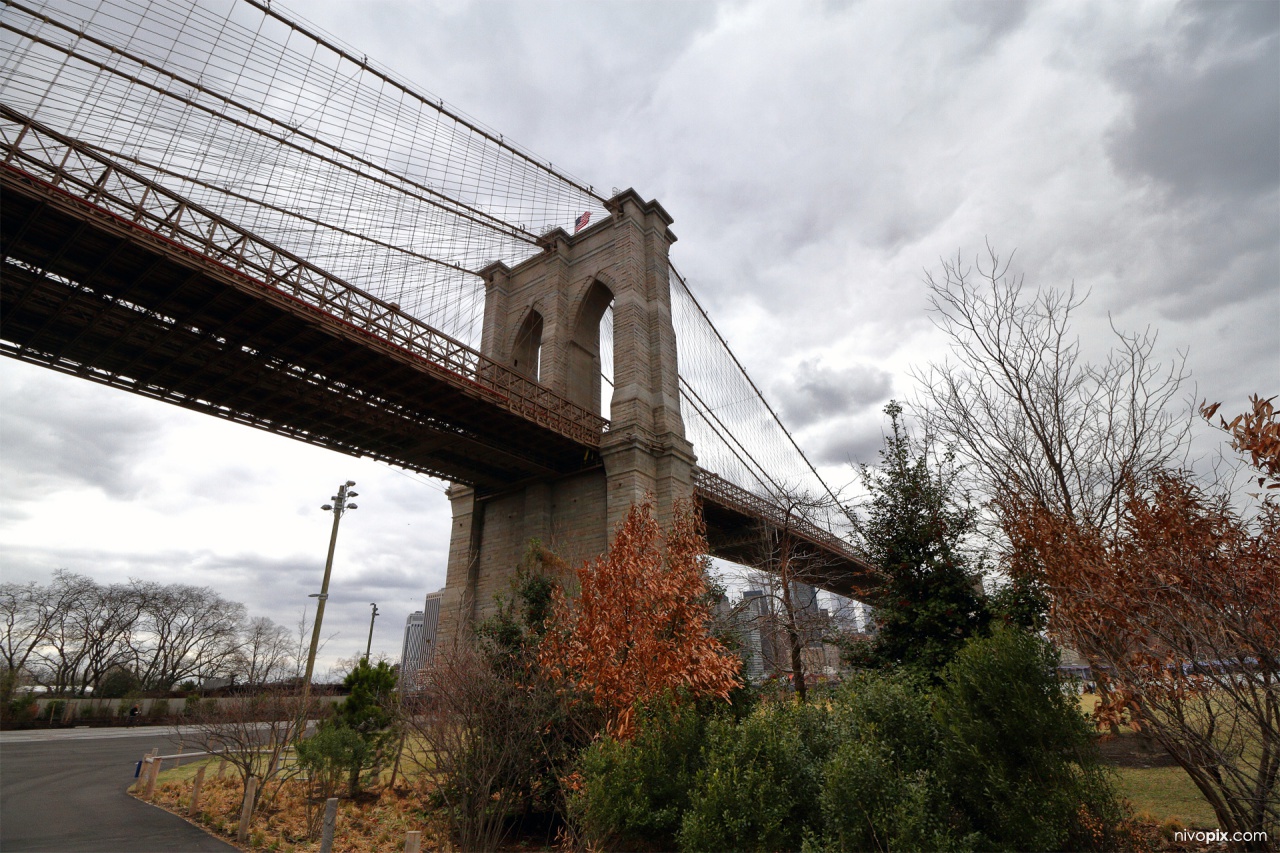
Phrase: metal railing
{"type": "Point", "coordinates": [34, 152]}
{"type": "Point", "coordinates": [720, 491]}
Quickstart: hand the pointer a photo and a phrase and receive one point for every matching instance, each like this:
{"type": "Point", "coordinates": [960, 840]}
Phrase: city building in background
{"type": "Point", "coordinates": [411, 656]}
{"type": "Point", "coordinates": [755, 626]}
{"type": "Point", "coordinates": [431, 623]}
{"type": "Point", "coordinates": [420, 631]}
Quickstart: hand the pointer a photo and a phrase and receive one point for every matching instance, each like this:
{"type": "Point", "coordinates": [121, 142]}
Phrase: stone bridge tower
{"type": "Point", "coordinates": [542, 318]}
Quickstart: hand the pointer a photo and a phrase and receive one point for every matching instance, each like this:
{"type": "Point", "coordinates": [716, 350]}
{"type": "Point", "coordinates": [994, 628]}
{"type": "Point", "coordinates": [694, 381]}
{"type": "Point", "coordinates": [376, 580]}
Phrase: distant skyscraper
{"type": "Point", "coordinates": [845, 612]}
{"type": "Point", "coordinates": [804, 600]}
{"type": "Point", "coordinates": [430, 623]}
{"type": "Point", "coordinates": [419, 640]}
{"type": "Point", "coordinates": [810, 619]}
{"type": "Point", "coordinates": [756, 632]}
{"type": "Point", "coordinates": [411, 656]}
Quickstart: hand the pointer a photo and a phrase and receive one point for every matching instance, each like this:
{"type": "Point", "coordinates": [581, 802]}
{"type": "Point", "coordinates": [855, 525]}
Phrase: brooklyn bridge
{"type": "Point", "coordinates": [213, 206]}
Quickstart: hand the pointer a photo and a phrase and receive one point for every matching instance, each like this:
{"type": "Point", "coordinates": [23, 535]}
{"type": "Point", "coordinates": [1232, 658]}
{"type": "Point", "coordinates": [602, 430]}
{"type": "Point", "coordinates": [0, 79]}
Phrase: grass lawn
{"type": "Point", "coordinates": [1162, 793]}
{"type": "Point", "coordinates": [1165, 793]}
{"type": "Point", "coordinates": [187, 770]}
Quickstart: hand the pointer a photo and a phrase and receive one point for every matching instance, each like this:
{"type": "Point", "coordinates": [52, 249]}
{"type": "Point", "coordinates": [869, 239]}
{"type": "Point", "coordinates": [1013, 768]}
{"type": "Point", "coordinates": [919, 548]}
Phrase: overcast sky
{"type": "Point", "coordinates": [818, 158]}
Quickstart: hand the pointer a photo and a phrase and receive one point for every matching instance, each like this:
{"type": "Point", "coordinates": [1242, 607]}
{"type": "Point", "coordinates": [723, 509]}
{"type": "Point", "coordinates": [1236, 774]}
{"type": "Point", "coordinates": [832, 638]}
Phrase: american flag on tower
{"type": "Point", "coordinates": [581, 222]}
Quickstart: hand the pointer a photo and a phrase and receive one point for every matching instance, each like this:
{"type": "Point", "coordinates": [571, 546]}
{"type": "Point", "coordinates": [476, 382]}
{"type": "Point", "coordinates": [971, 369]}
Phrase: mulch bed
{"type": "Point", "coordinates": [1130, 750]}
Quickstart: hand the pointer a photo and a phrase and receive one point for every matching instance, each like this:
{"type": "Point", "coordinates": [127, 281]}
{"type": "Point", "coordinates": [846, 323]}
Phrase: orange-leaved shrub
{"type": "Point", "coordinates": [638, 627]}
{"type": "Point", "coordinates": [1178, 610]}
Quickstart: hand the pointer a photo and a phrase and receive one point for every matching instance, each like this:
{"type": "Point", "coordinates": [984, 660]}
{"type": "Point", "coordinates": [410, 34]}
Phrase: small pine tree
{"type": "Point", "coordinates": [368, 711]}
{"type": "Point", "coordinates": [914, 529]}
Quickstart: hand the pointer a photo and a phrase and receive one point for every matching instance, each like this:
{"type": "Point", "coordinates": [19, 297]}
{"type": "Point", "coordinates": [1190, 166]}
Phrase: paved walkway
{"type": "Point", "coordinates": [64, 790]}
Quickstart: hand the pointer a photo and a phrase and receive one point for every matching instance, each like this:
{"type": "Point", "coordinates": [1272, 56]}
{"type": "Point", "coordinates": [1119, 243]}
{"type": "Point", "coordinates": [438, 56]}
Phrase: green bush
{"type": "Point", "coordinates": [21, 709]}
{"type": "Point", "coordinates": [635, 793]}
{"type": "Point", "coordinates": [118, 683]}
{"type": "Point", "coordinates": [368, 712]}
{"type": "Point", "coordinates": [892, 708]}
{"type": "Point", "coordinates": [990, 754]}
{"type": "Point", "coordinates": [371, 703]}
{"type": "Point", "coordinates": [759, 785]}
{"type": "Point", "coordinates": [328, 756]}
{"type": "Point", "coordinates": [879, 791]}
{"type": "Point", "coordinates": [1020, 760]}
{"type": "Point", "coordinates": [872, 800]}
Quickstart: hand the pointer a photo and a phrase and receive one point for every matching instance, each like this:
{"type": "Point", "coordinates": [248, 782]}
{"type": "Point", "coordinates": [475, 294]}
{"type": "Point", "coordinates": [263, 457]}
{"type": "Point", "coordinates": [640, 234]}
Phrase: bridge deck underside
{"type": "Point", "coordinates": [89, 293]}
{"type": "Point", "coordinates": [736, 534]}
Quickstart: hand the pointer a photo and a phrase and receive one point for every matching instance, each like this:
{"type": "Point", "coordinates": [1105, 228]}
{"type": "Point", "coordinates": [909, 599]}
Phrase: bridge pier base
{"type": "Point", "coordinates": [491, 534]}
{"type": "Point", "coordinates": [574, 516]}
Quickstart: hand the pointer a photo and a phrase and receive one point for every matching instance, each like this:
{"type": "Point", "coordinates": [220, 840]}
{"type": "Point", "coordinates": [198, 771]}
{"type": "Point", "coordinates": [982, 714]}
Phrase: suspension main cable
{"type": "Point", "coordinates": [685, 287]}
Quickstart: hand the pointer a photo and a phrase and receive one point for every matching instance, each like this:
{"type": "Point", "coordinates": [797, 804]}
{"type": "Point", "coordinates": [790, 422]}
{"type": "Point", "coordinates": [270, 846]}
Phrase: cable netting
{"type": "Point", "coordinates": [293, 137]}
{"type": "Point", "coordinates": [268, 122]}
{"type": "Point", "coordinates": [734, 431]}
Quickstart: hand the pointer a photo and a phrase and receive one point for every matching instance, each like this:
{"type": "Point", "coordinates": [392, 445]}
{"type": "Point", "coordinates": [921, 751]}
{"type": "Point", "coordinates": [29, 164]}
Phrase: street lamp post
{"type": "Point", "coordinates": [369, 646]}
{"type": "Point", "coordinates": [338, 507]}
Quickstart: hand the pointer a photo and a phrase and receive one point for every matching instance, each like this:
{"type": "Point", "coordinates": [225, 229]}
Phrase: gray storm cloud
{"type": "Point", "coordinates": [819, 392]}
{"type": "Point", "coordinates": [1206, 110]}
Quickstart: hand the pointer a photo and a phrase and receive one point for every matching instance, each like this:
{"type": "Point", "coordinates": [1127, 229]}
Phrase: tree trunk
{"type": "Point", "coordinates": [789, 621]}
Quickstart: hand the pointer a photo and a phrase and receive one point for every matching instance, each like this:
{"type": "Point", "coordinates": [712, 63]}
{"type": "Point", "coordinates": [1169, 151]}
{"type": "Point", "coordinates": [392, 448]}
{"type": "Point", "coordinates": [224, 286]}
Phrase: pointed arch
{"type": "Point", "coordinates": [584, 346]}
{"type": "Point", "coordinates": [526, 350]}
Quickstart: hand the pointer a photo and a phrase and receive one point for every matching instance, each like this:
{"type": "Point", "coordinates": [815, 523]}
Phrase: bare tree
{"type": "Point", "coordinates": [86, 635]}
{"type": "Point", "coordinates": [300, 637]}
{"type": "Point", "coordinates": [106, 622]}
{"type": "Point", "coordinates": [69, 634]}
{"type": "Point", "coordinates": [1020, 405]}
{"type": "Point", "coordinates": [27, 612]}
{"type": "Point", "coordinates": [475, 730]}
{"type": "Point", "coordinates": [186, 631]}
{"type": "Point", "coordinates": [265, 653]}
{"type": "Point", "coordinates": [787, 569]}
{"type": "Point", "coordinates": [61, 653]}
{"type": "Point", "coordinates": [300, 640]}
{"type": "Point", "coordinates": [254, 734]}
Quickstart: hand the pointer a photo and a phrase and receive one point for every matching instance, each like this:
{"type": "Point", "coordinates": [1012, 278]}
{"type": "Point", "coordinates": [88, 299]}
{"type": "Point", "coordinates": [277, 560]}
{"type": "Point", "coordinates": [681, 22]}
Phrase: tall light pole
{"type": "Point", "coordinates": [369, 646]}
{"type": "Point", "coordinates": [338, 507]}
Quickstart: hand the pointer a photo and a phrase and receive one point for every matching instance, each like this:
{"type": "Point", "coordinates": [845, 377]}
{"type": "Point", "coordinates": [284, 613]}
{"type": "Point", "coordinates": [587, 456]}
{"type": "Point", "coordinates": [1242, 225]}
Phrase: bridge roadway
{"type": "Point", "coordinates": [113, 278]}
{"type": "Point", "coordinates": [66, 790]}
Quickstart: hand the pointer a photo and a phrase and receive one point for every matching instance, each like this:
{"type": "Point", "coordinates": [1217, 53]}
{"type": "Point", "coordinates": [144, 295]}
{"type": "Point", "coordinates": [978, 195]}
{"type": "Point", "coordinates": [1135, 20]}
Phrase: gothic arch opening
{"type": "Point", "coordinates": [526, 352]}
{"type": "Point", "coordinates": [590, 375]}
{"type": "Point", "coordinates": [606, 362]}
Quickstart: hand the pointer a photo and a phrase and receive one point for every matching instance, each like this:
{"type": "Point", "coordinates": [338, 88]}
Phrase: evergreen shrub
{"type": "Point", "coordinates": [634, 793]}
{"type": "Point", "coordinates": [989, 754]}
{"type": "Point", "coordinates": [758, 788]}
{"type": "Point", "coordinates": [1021, 764]}
{"type": "Point", "coordinates": [879, 789]}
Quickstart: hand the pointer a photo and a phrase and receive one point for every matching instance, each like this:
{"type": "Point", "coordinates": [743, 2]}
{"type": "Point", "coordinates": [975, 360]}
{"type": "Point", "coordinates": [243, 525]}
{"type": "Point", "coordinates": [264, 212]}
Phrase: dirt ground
{"type": "Point", "coordinates": [1130, 750]}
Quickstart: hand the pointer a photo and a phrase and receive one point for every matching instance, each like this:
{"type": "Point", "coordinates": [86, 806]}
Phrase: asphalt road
{"type": "Point", "coordinates": [65, 791]}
